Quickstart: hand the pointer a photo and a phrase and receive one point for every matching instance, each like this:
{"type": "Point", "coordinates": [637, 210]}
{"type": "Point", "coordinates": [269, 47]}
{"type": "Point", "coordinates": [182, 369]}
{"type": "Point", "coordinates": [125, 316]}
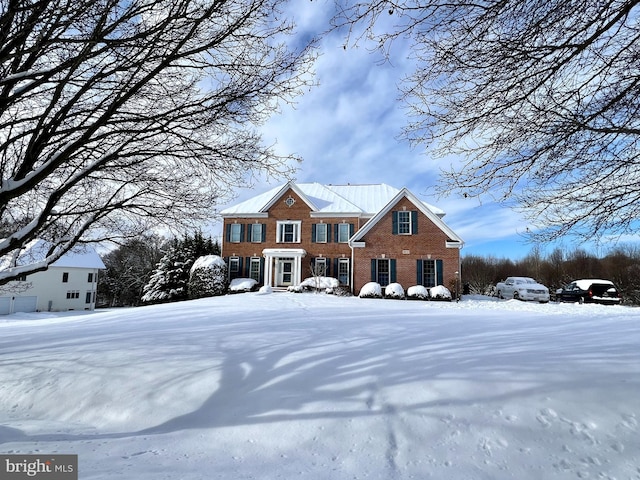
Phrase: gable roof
{"type": "Point", "coordinates": [353, 200]}
{"type": "Point", "coordinates": [81, 256]}
{"type": "Point", "coordinates": [436, 219]}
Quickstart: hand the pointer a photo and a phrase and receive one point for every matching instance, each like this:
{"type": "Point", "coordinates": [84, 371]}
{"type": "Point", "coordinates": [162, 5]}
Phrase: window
{"type": "Point", "coordinates": [320, 267]}
{"type": "Point", "coordinates": [65, 277]}
{"type": "Point", "coordinates": [254, 269]}
{"type": "Point", "coordinates": [235, 233]}
{"type": "Point", "coordinates": [87, 298]}
{"type": "Point", "coordinates": [344, 232]}
{"type": "Point", "coordinates": [234, 265]}
{"type": "Point", "coordinates": [21, 278]}
{"type": "Point", "coordinates": [382, 273]}
{"type": "Point", "coordinates": [321, 233]}
{"type": "Point", "coordinates": [404, 223]}
{"type": "Point", "coordinates": [73, 294]}
{"type": "Point", "coordinates": [430, 273]}
{"type": "Point", "coordinates": [90, 278]}
{"type": "Point", "coordinates": [288, 232]}
{"type": "Point", "coordinates": [343, 271]}
{"type": "Point", "coordinates": [256, 232]}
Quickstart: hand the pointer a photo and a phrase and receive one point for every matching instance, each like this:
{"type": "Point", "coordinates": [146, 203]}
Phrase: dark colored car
{"type": "Point", "coordinates": [590, 291]}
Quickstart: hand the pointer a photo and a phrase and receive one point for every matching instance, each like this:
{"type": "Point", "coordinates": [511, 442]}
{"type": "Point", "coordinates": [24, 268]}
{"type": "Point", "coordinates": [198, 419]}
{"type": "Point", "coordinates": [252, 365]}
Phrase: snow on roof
{"type": "Point", "coordinates": [352, 199]}
{"type": "Point", "coordinates": [586, 283]}
{"type": "Point", "coordinates": [80, 256]}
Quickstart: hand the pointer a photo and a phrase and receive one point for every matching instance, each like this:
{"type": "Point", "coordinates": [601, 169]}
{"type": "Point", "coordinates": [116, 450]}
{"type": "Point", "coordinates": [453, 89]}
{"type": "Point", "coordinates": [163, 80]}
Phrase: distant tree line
{"type": "Point", "coordinates": [621, 265]}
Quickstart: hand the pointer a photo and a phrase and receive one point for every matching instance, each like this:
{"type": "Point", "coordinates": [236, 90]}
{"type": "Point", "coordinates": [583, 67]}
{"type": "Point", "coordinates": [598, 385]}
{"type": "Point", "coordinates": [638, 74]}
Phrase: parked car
{"type": "Point", "coordinates": [522, 288]}
{"type": "Point", "coordinates": [590, 291]}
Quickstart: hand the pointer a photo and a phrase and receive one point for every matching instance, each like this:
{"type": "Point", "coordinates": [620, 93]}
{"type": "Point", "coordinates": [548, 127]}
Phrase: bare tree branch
{"type": "Point", "coordinates": [541, 98]}
{"type": "Point", "coordinates": [114, 114]}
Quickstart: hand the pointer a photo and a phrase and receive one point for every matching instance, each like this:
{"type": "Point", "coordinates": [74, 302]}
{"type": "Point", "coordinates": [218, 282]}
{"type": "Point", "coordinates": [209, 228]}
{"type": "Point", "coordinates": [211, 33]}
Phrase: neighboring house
{"type": "Point", "coordinates": [355, 233]}
{"type": "Point", "coordinates": [70, 283]}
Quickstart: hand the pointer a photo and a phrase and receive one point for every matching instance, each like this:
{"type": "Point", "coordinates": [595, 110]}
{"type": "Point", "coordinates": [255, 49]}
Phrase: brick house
{"type": "Point", "coordinates": [355, 233]}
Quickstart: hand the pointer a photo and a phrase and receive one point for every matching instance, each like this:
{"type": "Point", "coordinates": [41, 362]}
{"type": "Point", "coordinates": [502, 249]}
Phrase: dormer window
{"type": "Point", "coordinates": [290, 201]}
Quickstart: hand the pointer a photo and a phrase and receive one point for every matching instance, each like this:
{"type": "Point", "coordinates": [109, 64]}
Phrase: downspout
{"type": "Point", "coordinates": [351, 278]}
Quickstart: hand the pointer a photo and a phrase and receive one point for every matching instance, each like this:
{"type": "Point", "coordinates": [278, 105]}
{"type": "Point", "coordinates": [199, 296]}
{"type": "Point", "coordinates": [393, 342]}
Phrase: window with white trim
{"type": "Point", "coordinates": [320, 267]}
{"type": "Point", "coordinates": [234, 265]}
{"type": "Point", "coordinates": [383, 271]}
{"type": "Point", "coordinates": [404, 223]}
{"type": "Point", "coordinates": [256, 233]}
{"type": "Point", "coordinates": [235, 233]}
{"type": "Point", "coordinates": [321, 233]}
{"type": "Point", "coordinates": [288, 232]}
{"type": "Point", "coordinates": [343, 271]}
{"type": "Point", "coordinates": [344, 230]}
{"type": "Point", "coordinates": [254, 269]}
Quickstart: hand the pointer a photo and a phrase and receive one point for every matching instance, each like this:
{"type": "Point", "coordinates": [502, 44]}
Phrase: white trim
{"type": "Point", "coordinates": [272, 255]}
{"type": "Point", "coordinates": [420, 206]}
{"type": "Point", "coordinates": [246, 215]}
{"type": "Point", "coordinates": [297, 232]}
{"type": "Point", "coordinates": [284, 190]}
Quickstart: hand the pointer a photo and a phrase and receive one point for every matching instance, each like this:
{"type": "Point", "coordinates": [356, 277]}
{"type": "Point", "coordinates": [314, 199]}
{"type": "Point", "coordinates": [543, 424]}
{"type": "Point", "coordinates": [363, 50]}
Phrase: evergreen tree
{"type": "Point", "coordinates": [208, 277]}
{"type": "Point", "coordinates": [170, 281]}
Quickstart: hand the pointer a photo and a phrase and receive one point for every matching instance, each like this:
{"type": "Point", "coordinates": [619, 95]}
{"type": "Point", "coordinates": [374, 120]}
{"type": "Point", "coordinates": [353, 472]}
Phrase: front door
{"type": "Point", "coordinates": [285, 272]}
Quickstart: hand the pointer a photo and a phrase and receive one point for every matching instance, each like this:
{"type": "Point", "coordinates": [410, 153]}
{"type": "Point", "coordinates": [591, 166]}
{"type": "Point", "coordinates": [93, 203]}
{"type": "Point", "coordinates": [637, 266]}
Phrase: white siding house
{"type": "Point", "coordinates": [70, 283]}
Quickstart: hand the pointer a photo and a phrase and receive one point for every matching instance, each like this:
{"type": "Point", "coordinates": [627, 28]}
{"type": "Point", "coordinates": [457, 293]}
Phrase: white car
{"type": "Point", "coordinates": [522, 288]}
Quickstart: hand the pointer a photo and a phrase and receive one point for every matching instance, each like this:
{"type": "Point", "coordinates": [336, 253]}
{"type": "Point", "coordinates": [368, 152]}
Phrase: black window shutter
{"type": "Point", "coordinates": [328, 265]}
{"type": "Point", "coordinates": [394, 223]}
{"type": "Point", "coordinates": [336, 229]}
{"type": "Point", "coordinates": [313, 233]}
{"type": "Point", "coordinates": [352, 228]}
{"type": "Point", "coordinates": [373, 270]}
{"type": "Point", "coordinates": [392, 273]}
{"type": "Point", "coordinates": [242, 231]}
{"type": "Point", "coordinates": [419, 275]}
{"type": "Point", "coordinates": [414, 222]}
{"type": "Point", "coordinates": [264, 232]}
{"type": "Point", "coordinates": [328, 233]}
{"type": "Point", "coordinates": [249, 229]}
{"type": "Point", "coordinates": [439, 272]}
{"type": "Point", "coordinates": [262, 267]}
{"type": "Point", "coordinates": [227, 235]}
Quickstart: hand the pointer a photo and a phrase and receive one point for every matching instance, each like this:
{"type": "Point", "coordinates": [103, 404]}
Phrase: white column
{"type": "Point", "coordinates": [297, 270]}
{"type": "Point", "coordinates": [268, 270]}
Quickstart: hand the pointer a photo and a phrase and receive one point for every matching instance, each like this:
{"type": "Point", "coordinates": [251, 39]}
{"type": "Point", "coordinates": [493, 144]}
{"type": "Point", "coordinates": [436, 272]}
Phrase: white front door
{"type": "Point", "coordinates": [285, 272]}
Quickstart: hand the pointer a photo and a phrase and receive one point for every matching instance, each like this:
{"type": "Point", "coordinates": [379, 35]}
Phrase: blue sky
{"type": "Point", "coordinates": [346, 131]}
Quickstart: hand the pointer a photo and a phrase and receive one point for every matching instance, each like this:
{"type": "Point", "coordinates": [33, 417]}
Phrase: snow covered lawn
{"type": "Point", "coordinates": [313, 386]}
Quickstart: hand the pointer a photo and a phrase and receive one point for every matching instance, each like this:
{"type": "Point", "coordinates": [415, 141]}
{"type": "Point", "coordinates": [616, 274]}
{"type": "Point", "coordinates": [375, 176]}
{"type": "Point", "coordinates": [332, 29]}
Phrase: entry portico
{"type": "Point", "coordinates": [283, 266]}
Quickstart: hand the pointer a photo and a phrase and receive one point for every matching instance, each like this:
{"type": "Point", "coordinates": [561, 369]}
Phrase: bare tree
{"type": "Point", "coordinates": [119, 115]}
{"type": "Point", "coordinates": [540, 97]}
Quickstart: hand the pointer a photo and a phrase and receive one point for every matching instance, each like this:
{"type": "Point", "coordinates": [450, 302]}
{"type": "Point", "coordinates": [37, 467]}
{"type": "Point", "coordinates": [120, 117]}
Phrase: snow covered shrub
{"type": "Point", "coordinates": [319, 283]}
{"type": "Point", "coordinates": [394, 290]}
{"type": "Point", "coordinates": [265, 290]}
{"type": "Point", "coordinates": [418, 292]}
{"type": "Point", "coordinates": [294, 288]}
{"type": "Point", "coordinates": [440, 293]}
{"type": "Point", "coordinates": [240, 285]}
{"type": "Point", "coordinates": [208, 277]}
{"type": "Point", "coordinates": [371, 290]}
